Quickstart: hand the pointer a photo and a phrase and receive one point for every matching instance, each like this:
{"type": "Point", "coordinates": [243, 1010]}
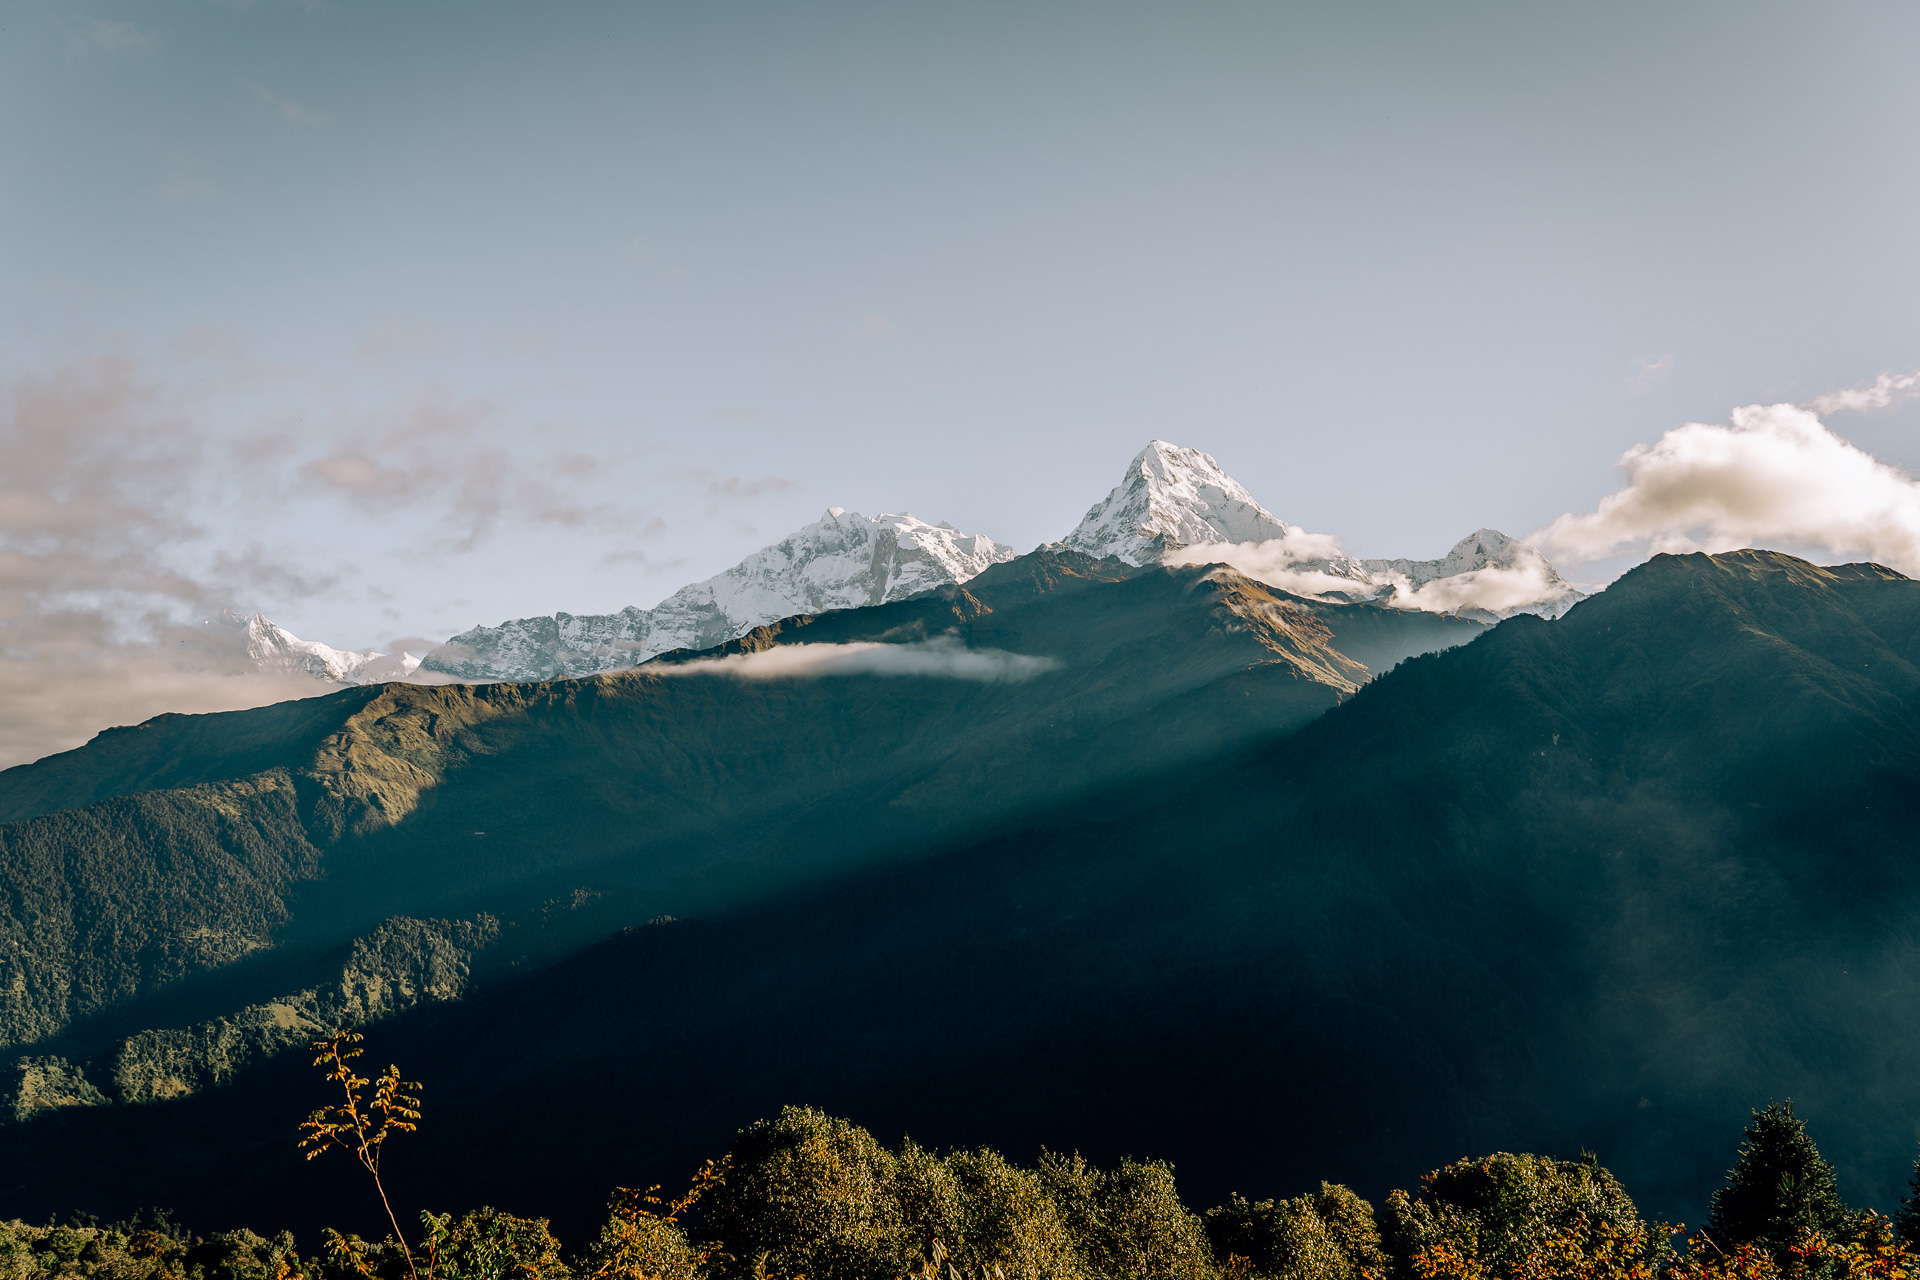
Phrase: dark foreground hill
{"type": "Point", "coordinates": [190, 895]}
{"type": "Point", "coordinates": [1603, 882]}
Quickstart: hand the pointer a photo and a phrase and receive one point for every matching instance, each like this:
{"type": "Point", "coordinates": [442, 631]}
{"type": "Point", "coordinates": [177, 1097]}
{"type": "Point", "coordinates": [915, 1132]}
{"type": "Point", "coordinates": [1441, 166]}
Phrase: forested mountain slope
{"type": "Point", "coordinates": [208, 876]}
{"type": "Point", "coordinates": [1603, 882]}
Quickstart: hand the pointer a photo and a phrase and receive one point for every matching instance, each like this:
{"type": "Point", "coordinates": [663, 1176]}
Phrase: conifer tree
{"type": "Point", "coordinates": [1779, 1189]}
{"type": "Point", "coordinates": [1906, 1219]}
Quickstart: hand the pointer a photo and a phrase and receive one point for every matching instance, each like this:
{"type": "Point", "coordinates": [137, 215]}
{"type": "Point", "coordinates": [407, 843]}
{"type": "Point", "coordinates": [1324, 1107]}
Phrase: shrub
{"type": "Point", "coordinates": [808, 1195]}
{"type": "Point", "coordinates": [1328, 1235]}
{"type": "Point", "coordinates": [1512, 1215]}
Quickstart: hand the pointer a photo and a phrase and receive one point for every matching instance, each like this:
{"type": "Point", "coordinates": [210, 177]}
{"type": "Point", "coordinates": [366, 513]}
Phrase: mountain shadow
{"type": "Point", "coordinates": [195, 893]}
{"type": "Point", "coordinates": [1603, 882]}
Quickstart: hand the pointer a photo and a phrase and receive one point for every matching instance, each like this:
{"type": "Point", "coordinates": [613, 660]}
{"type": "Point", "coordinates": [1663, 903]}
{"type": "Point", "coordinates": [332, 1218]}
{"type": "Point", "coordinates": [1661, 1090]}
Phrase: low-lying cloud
{"type": "Point", "coordinates": [1303, 564]}
{"type": "Point", "coordinates": [940, 659]}
{"type": "Point", "coordinates": [1774, 476]}
{"type": "Point", "coordinates": [1495, 590]}
{"type": "Point", "coordinates": [1293, 563]}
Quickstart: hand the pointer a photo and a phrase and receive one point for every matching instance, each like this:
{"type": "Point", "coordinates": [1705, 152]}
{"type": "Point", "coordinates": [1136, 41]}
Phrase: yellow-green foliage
{"type": "Point", "coordinates": [1327, 1235]}
{"type": "Point", "coordinates": [638, 1243]}
{"type": "Point", "coordinates": [808, 1194]}
{"type": "Point", "coordinates": [1504, 1209]}
{"type": "Point", "coordinates": [157, 1251]}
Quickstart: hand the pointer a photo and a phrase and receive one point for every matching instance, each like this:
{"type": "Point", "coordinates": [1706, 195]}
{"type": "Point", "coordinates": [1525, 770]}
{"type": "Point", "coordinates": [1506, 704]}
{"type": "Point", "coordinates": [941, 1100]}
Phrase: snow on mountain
{"type": "Point", "coordinates": [265, 646]}
{"type": "Point", "coordinates": [1486, 575]}
{"type": "Point", "coordinates": [1176, 506]}
{"type": "Point", "coordinates": [1170, 498]}
{"type": "Point", "coordinates": [842, 561]}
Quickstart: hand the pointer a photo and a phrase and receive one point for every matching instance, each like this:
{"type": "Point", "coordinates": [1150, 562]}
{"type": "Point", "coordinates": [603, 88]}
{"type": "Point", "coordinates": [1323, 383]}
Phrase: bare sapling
{"type": "Point", "coordinates": [360, 1126]}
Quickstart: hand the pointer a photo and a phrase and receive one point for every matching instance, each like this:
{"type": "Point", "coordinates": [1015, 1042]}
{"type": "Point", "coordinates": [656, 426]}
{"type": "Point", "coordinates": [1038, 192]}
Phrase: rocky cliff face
{"type": "Point", "coordinates": [844, 560]}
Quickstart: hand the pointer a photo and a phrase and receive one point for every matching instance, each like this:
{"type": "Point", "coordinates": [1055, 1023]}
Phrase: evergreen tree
{"type": "Point", "coordinates": [1906, 1219]}
{"type": "Point", "coordinates": [1779, 1189]}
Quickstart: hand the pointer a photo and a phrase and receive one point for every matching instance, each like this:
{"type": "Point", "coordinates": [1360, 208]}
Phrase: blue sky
{"type": "Point", "coordinates": [432, 314]}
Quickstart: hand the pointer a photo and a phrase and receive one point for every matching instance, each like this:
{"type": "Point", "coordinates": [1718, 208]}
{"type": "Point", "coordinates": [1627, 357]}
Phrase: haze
{"type": "Point", "coordinates": [389, 320]}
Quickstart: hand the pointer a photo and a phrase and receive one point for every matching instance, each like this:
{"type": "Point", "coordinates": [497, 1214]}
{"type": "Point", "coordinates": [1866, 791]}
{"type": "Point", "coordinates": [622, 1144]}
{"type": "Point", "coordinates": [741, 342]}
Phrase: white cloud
{"type": "Point", "coordinates": [935, 658]}
{"type": "Point", "coordinates": [1495, 589]}
{"type": "Point", "coordinates": [1885, 391]}
{"type": "Point", "coordinates": [1294, 562]}
{"type": "Point", "coordinates": [1774, 477]}
{"type": "Point", "coordinates": [1314, 565]}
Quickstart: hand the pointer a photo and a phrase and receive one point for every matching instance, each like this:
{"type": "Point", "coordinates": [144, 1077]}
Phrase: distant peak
{"type": "Point", "coordinates": [1171, 497]}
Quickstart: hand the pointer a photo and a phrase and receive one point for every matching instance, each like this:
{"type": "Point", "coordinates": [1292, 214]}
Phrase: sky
{"type": "Point", "coordinates": [387, 320]}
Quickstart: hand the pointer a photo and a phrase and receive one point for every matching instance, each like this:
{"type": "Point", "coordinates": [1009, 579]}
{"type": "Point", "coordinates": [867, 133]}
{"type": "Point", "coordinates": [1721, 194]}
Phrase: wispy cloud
{"type": "Point", "coordinates": [435, 455]}
{"type": "Point", "coordinates": [1883, 392]}
{"type": "Point", "coordinates": [286, 108]}
{"type": "Point", "coordinates": [1774, 476]}
{"type": "Point", "coordinates": [735, 487]}
{"type": "Point", "coordinates": [941, 659]}
{"type": "Point", "coordinates": [1649, 373]}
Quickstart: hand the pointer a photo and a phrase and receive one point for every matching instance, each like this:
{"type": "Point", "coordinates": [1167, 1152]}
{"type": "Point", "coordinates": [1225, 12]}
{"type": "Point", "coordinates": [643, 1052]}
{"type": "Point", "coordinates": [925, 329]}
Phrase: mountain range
{"type": "Point", "coordinates": [1173, 503]}
{"type": "Point", "coordinates": [1149, 858]}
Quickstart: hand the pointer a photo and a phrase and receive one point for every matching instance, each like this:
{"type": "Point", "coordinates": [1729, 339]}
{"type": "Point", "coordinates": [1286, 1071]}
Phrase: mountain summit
{"type": "Point", "coordinates": [843, 560]}
{"type": "Point", "coordinates": [1174, 505]}
{"type": "Point", "coordinates": [263, 645]}
{"type": "Point", "coordinates": [1178, 506]}
{"type": "Point", "coordinates": [1171, 498]}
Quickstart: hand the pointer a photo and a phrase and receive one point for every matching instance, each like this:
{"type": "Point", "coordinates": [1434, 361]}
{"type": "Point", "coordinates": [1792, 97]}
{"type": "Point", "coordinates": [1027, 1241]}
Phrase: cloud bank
{"type": "Point", "coordinates": [97, 488]}
{"type": "Point", "coordinates": [935, 658]}
{"type": "Point", "coordinates": [1774, 476]}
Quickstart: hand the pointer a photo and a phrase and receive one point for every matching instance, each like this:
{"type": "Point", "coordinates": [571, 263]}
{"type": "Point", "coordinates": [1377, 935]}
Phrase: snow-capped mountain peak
{"type": "Point", "coordinates": [1486, 575]}
{"type": "Point", "coordinates": [1173, 497]}
{"type": "Point", "coordinates": [841, 561]}
{"type": "Point", "coordinates": [1177, 506]}
{"type": "Point", "coordinates": [271, 648]}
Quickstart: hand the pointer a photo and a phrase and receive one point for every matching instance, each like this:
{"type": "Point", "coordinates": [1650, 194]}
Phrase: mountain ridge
{"type": "Point", "coordinates": [1603, 881]}
{"type": "Point", "coordinates": [1173, 503]}
{"type": "Point", "coordinates": [685, 783]}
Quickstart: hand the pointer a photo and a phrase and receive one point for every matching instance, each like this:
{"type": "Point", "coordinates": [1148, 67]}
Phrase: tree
{"type": "Point", "coordinates": [1906, 1219]}
{"type": "Point", "coordinates": [361, 1126]}
{"type": "Point", "coordinates": [1515, 1215]}
{"type": "Point", "coordinates": [1326, 1235]}
{"type": "Point", "coordinates": [1779, 1190]}
{"type": "Point", "coordinates": [808, 1194]}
